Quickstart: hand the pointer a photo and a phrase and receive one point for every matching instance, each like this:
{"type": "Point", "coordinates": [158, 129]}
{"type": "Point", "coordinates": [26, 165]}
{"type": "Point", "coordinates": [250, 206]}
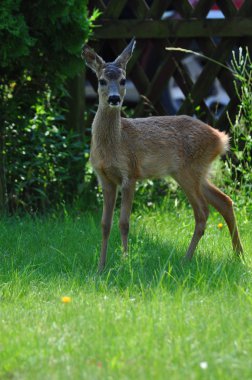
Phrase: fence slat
{"type": "Point", "coordinates": [158, 7]}
{"type": "Point", "coordinates": [207, 76]}
{"type": "Point", "coordinates": [151, 67]}
{"type": "Point", "coordinates": [227, 7]}
{"type": "Point", "coordinates": [235, 27]}
{"type": "Point", "coordinates": [202, 8]}
{"type": "Point", "coordinates": [114, 8]}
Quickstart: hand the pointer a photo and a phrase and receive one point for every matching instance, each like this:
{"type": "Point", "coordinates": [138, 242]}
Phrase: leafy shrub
{"type": "Point", "coordinates": [41, 159]}
{"type": "Point", "coordinates": [40, 156]}
{"type": "Point", "coordinates": [44, 36]}
{"type": "Point", "coordinates": [239, 162]}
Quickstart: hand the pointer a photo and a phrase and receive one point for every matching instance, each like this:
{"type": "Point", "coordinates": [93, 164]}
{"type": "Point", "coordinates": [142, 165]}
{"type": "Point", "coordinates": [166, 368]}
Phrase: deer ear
{"type": "Point", "coordinates": [124, 57]}
{"type": "Point", "coordinates": [93, 60]}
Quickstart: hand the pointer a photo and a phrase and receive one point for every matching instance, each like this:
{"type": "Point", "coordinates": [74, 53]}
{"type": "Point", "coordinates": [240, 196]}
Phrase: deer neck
{"type": "Point", "coordinates": [106, 129]}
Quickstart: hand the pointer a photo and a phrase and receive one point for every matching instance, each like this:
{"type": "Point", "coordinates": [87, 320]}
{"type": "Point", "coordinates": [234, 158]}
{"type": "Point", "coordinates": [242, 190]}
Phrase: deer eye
{"type": "Point", "coordinates": [122, 82]}
{"type": "Point", "coordinates": [102, 82]}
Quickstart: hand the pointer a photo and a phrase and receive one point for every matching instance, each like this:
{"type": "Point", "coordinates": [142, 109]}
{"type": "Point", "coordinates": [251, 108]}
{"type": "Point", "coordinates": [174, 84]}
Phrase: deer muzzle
{"type": "Point", "coordinates": [114, 100]}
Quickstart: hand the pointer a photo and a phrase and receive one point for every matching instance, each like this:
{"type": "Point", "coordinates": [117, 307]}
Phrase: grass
{"type": "Point", "coordinates": [147, 317]}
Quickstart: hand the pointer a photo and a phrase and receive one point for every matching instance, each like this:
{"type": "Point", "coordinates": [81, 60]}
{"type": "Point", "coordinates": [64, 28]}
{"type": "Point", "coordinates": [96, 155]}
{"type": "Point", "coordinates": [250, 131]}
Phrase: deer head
{"type": "Point", "coordinates": [111, 75]}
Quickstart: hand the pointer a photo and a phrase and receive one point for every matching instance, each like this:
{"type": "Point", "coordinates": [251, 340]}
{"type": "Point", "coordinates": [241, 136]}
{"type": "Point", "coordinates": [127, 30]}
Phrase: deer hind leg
{"type": "Point", "coordinates": [109, 197]}
{"type": "Point", "coordinates": [224, 205]}
{"type": "Point", "coordinates": [192, 189]}
{"type": "Point", "coordinates": [127, 199]}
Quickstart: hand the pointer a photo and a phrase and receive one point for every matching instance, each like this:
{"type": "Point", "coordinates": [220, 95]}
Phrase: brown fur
{"type": "Point", "coordinates": [126, 150]}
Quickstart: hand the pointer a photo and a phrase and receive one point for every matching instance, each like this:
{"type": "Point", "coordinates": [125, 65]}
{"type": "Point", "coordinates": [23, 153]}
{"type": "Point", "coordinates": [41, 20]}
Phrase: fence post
{"type": "Point", "coordinates": [75, 122]}
{"type": "Point", "coordinates": [76, 104]}
{"type": "Point", "coordinates": [3, 190]}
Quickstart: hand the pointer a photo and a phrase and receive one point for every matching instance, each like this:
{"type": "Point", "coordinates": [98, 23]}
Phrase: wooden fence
{"type": "Point", "coordinates": [158, 74]}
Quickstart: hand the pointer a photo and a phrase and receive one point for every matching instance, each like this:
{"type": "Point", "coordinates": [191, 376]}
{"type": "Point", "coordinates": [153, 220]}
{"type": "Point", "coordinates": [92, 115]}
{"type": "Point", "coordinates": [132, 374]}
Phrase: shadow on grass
{"type": "Point", "coordinates": [69, 251]}
{"type": "Point", "coordinates": [156, 266]}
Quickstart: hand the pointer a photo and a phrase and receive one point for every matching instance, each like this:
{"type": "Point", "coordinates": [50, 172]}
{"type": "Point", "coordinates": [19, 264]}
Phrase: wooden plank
{"type": "Point", "coordinates": [114, 9]}
{"type": "Point", "coordinates": [202, 8]}
{"type": "Point", "coordinates": [208, 75]}
{"type": "Point", "coordinates": [208, 47]}
{"type": "Point", "coordinates": [183, 79]}
{"type": "Point", "coordinates": [159, 82]}
{"type": "Point", "coordinates": [139, 8]}
{"type": "Point", "coordinates": [227, 7]}
{"type": "Point", "coordinates": [235, 27]}
{"type": "Point", "coordinates": [164, 71]}
{"type": "Point", "coordinates": [140, 79]}
{"type": "Point", "coordinates": [3, 185]}
{"type": "Point", "coordinates": [183, 7]}
{"type": "Point", "coordinates": [158, 7]}
{"type": "Point", "coordinates": [185, 83]}
{"type": "Point", "coordinates": [227, 81]}
{"type": "Point", "coordinates": [246, 8]}
{"type": "Point", "coordinates": [76, 103]}
{"type": "Point", "coordinates": [223, 123]}
{"type": "Point", "coordinates": [96, 4]}
{"type": "Point", "coordinates": [165, 68]}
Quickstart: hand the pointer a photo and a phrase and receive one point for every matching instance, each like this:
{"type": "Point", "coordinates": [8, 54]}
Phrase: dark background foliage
{"type": "Point", "coordinates": [42, 157]}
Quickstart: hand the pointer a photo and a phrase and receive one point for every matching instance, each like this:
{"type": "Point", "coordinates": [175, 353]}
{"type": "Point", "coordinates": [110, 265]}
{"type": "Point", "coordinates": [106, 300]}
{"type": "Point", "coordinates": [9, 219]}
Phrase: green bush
{"type": "Point", "coordinates": [40, 156]}
{"type": "Point", "coordinates": [42, 38]}
{"type": "Point", "coordinates": [239, 162]}
{"type": "Point", "coordinates": [42, 159]}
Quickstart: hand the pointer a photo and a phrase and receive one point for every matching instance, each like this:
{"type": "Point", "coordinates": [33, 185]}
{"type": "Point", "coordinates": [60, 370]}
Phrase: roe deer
{"type": "Point", "coordinates": [125, 150]}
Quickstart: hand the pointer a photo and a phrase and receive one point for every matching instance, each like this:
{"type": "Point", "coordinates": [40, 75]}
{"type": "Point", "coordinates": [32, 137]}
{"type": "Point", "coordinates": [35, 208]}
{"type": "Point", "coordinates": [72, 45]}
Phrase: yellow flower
{"type": "Point", "coordinates": [66, 299]}
{"type": "Point", "coordinates": [220, 226]}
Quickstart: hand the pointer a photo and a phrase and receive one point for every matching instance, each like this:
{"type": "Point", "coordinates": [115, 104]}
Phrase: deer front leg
{"type": "Point", "coordinates": [109, 198]}
{"type": "Point", "coordinates": [126, 206]}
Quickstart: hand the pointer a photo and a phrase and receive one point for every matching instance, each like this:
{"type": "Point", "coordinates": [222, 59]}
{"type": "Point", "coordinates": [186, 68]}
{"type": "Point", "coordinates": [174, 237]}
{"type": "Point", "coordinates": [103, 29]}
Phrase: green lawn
{"type": "Point", "coordinates": [146, 317]}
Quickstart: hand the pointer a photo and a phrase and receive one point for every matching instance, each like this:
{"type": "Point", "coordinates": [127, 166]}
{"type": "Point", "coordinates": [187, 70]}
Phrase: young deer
{"type": "Point", "coordinates": [126, 150]}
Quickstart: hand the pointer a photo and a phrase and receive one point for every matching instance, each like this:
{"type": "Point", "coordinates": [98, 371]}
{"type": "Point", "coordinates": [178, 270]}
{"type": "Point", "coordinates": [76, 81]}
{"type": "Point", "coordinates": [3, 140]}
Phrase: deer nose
{"type": "Point", "coordinates": [114, 100]}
